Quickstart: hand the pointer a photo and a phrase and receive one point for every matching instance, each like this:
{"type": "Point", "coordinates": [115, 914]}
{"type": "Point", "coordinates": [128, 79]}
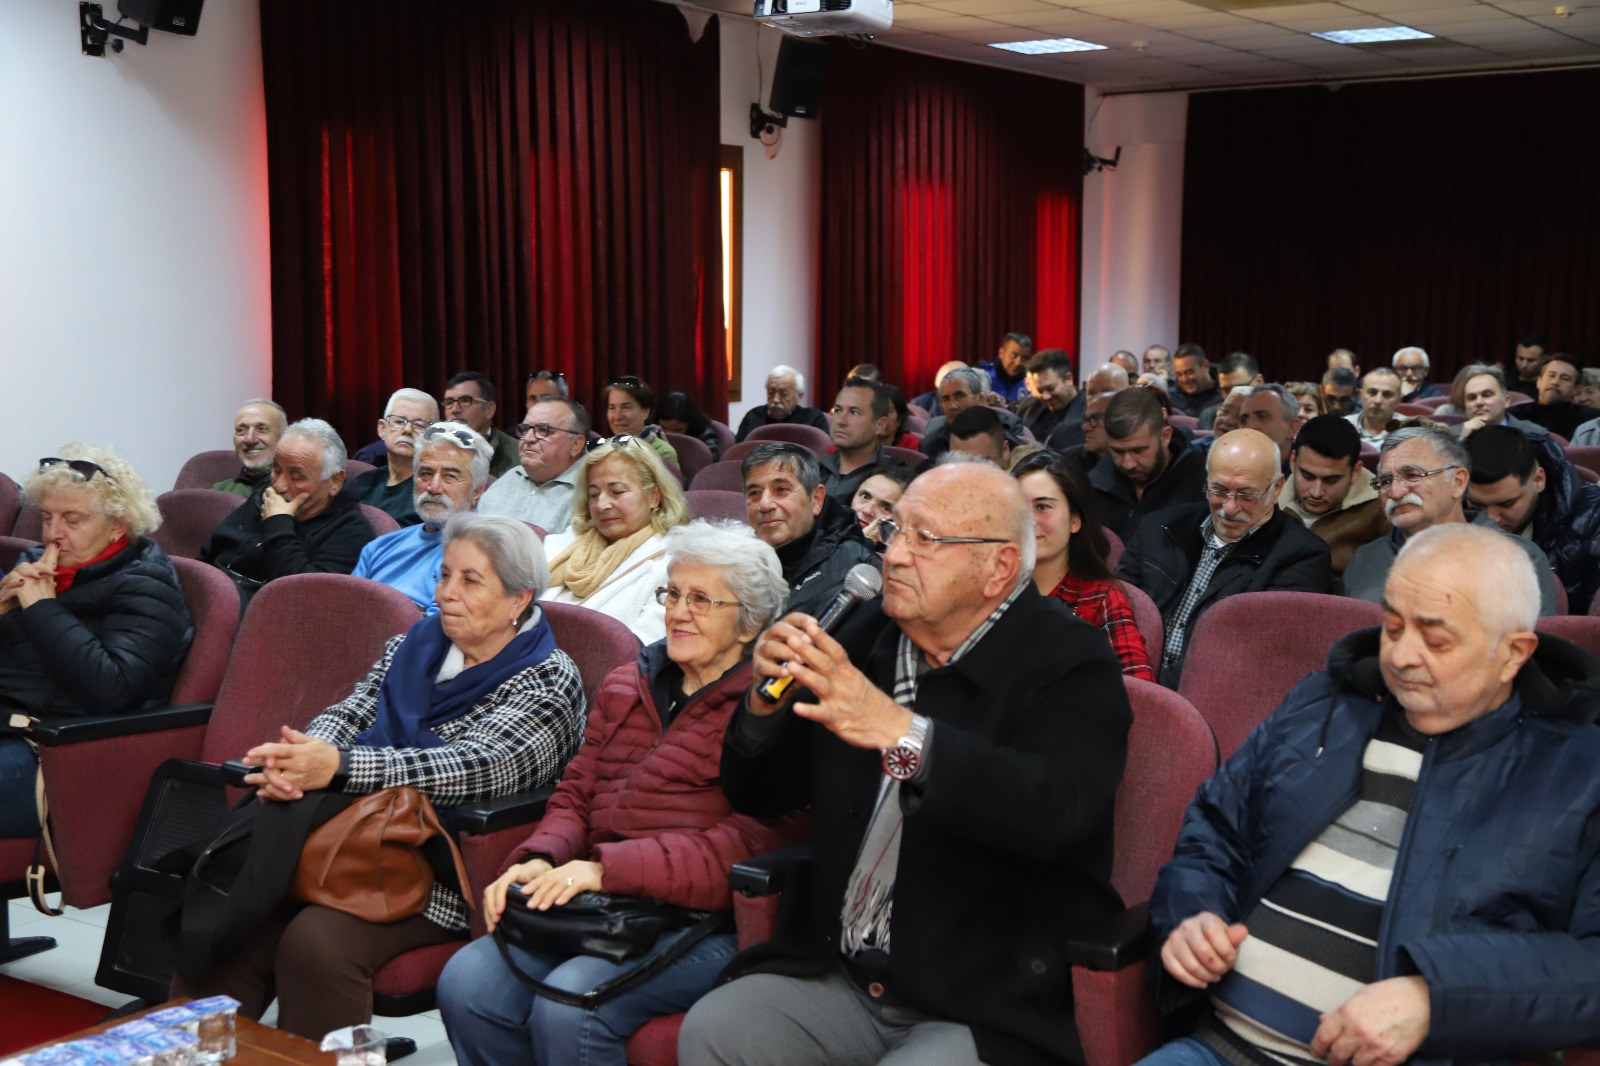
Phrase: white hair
{"type": "Point", "coordinates": [977, 380]}
{"type": "Point", "coordinates": [449, 434]}
{"type": "Point", "coordinates": [1395, 359]}
{"type": "Point", "coordinates": [781, 371]}
{"type": "Point", "coordinates": [747, 563]}
{"type": "Point", "coordinates": [1502, 575]}
{"type": "Point", "coordinates": [315, 429]}
{"type": "Point", "coordinates": [417, 396]}
{"type": "Point", "coordinates": [512, 546]}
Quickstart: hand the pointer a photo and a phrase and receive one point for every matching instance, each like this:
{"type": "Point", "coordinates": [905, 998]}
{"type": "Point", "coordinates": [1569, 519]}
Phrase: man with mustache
{"type": "Point", "coordinates": [785, 406]}
{"type": "Point", "coordinates": [1423, 473]}
{"type": "Point", "coordinates": [389, 487]}
{"type": "Point", "coordinates": [256, 429]}
{"type": "Point", "coordinates": [452, 470]}
{"type": "Point", "coordinates": [1188, 557]}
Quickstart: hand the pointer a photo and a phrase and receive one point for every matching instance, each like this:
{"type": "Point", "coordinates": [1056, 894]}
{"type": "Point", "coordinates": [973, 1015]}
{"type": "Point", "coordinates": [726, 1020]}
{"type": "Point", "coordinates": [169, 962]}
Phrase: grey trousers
{"type": "Point", "coordinates": [767, 1020]}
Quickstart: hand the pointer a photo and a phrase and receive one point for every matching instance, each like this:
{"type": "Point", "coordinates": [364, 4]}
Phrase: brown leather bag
{"type": "Point", "coordinates": [367, 860]}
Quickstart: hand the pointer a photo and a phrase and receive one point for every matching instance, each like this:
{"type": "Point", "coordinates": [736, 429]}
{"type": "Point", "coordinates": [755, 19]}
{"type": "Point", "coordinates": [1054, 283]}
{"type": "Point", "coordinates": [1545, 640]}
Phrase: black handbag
{"type": "Point", "coordinates": [615, 928]}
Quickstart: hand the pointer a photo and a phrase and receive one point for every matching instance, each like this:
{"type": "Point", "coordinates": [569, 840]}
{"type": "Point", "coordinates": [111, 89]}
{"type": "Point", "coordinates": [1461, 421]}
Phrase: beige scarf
{"type": "Point", "coordinates": [589, 561]}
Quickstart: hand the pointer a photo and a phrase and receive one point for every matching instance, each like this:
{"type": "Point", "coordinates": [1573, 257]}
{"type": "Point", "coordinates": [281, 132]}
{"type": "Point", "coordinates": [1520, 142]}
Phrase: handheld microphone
{"type": "Point", "coordinates": [862, 582]}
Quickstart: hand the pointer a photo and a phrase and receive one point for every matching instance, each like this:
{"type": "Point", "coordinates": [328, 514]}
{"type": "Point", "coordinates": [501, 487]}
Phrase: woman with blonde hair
{"type": "Point", "coordinates": [614, 557]}
{"type": "Point", "coordinates": [91, 622]}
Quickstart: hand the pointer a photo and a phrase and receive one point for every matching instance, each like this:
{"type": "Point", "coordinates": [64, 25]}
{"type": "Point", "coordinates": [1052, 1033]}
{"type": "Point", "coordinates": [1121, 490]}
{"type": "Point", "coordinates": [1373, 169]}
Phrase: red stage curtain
{"type": "Point", "coordinates": [1454, 214]}
{"type": "Point", "coordinates": [505, 186]}
{"type": "Point", "coordinates": [950, 213]}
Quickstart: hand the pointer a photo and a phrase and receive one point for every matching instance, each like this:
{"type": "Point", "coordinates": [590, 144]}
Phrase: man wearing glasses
{"type": "Point", "coordinates": [390, 487]}
{"type": "Point", "coordinates": [540, 489]}
{"type": "Point", "coordinates": [1188, 557]}
{"type": "Point", "coordinates": [469, 397]}
{"type": "Point", "coordinates": [961, 805]}
{"type": "Point", "coordinates": [1423, 473]}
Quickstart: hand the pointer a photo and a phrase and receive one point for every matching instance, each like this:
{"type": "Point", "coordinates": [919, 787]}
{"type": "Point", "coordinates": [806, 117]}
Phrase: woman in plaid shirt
{"type": "Point", "coordinates": [1073, 550]}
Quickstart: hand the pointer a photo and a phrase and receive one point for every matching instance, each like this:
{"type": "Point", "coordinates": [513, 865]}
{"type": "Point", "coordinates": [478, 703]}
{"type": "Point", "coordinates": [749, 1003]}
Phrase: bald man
{"type": "Point", "coordinates": [931, 723]}
{"type": "Point", "coordinates": [1237, 540]}
{"type": "Point", "coordinates": [1402, 859]}
{"type": "Point", "coordinates": [1109, 378]}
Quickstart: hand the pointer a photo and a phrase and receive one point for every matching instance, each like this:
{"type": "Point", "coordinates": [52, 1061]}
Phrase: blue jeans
{"type": "Point", "coordinates": [1185, 1051]}
{"type": "Point", "coordinates": [494, 1019]}
{"type": "Point", "coordinates": [19, 770]}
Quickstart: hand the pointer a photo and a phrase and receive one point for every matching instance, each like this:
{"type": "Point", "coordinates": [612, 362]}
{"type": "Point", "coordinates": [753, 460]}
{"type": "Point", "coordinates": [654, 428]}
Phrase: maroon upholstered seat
{"type": "Point", "coordinates": [1432, 401]}
{"type": "Point", "coordinates": [725, 436]}
{"type": "Point", "coordinates": [1182, 421]}
{"type": "Point", "coordinates": [1582, 629]}
{"type": "Point", "coordinates": [189, 517]}
{"type": "Point", "coordinates": [805, 436]}
{"type": "Point", "coordinates": [909, 456]}
{"type": "Point", "coordinates": [1248, 650]}
{"type": "Point", "coordinates": [10, 548]}
{"type": "Point", "coordinates": [1147, 617]}
{"type": "Point", "coordinates": [380, 520]}
{"type": "Point", "coordinates": [355, 467]}
{"type": "Point", "coordinates": [727, 475]}
{"type": "Point", "coordinates": [205, 469]}
{"type": "Point", "coordinates": [1117, 548]}
{"type": "Point", "coordinates": [693, 455]}
{"type": "Point", "coordinates": [717, 503]}
{"type": "Point", "coordinates": [10, 504]}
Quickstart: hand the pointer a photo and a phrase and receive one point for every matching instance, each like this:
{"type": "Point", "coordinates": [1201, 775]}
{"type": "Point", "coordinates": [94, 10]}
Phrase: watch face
{"type": "Point", "coordinates": [901, 762]}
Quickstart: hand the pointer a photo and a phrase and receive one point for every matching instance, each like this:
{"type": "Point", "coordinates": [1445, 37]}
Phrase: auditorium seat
{"type": "Point", "coordinates": [11, 548]}
{"type": "Point", "coordinates": [727, 475]}
{"type": "Point", "coordinates": [97, 769]}
{"type": "Point", "coordinates": [916, 424]}
{"type": "Point", "coordinates": [737, 453]}
{"type": "Point", "coordinates": [725, 437]}
{"type": "Point", "coordinates": [1413, 410]}
{"type": "Point", "coordinates": [29, 525]}
{"type": "Point", "coordinates": [805, 436]}
{"type": "Point", "coordinates": [1116, 549]}
{"type": "Point", "coordinates": [716, 503]}
{"type": "Point", "coordinates": [1147, 617]}
{"type": "Point", "coordinates": [1182, 421]}
{"type": "Point", "coordinates": [1518, 397]}
{"type": "Point", "coordinates": [354, 468]}
{"type": "Point", "coordinates": [1584, 455]}
{"type": "Point", "coordinates": [693, 455]}
{"type": "Point", "coordinates": [10, 504]}
{"type": "Point", "coordinates": [1448, 420]}
{"type": "Point", "coordinates": [909, 456]}
{"type": "Point", "coordinates": [1432, 402]}
{"type": "Point", "coordinates": [204, 469]}
{"type": "Point", "coordinates": [1586, 473]}
{"type": "Point", "coordinates": [1248, 650]}
{"type": "Point", "coordinates": [380, 520]}
{"type": "Point", "coordinates": [1582, 629]}
{"type": "Point", "coordinates": [1369, 456]}
{"type": "Point", "coordinates": [189, 517]}
{"type": "Point", "coordinates": [489, 830]}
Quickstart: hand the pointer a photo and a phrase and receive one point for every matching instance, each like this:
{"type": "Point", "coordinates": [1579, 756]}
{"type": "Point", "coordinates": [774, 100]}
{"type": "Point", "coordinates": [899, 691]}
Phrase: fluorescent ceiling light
{"type": "Point", "coordinates": [1047, 47]}
{"type": "Point", "coordinates": [1374, 36]}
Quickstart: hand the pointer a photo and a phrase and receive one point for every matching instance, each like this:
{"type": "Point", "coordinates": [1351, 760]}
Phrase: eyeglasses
{"type": "Point", "coordinates": [1093, 420]}
{"type": "Point", "coordinates": [921, 542]}
{"type": "Point", "coordinates": [397, 422]}
{"type": "Point", "coordinates": [460, 435]}
{"type": "Point", "coordinates": [82, 467]}
{"type": "Point", "coordinates": [540, 430]}
{"type": "Point", "coordinates": [621, 440]}
{"type": "Point", "coordinates": [1247, 497]}
{"type": "Point", "coordinates": [699, 602]}
{"type": "Point", "coordinates": [1408, 476]}
{"type": "Point", "coordinates": [466, 403]}
{"type": "Point", "coordinates": [547, 375]}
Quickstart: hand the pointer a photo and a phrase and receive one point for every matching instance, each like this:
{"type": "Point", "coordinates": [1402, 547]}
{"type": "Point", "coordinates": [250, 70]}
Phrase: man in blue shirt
{"type": "Point", "coordinates": [451, 472]}
{"type": "Point", "coordinates": [1008, 371]}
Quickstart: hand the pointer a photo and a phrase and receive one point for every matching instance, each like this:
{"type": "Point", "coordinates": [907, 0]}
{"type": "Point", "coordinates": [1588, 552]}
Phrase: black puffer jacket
{"type": "Point", "coordinates": [328, 543]}
{"type": "Point", "coordinates": [110, 644]}
{"type": "Point", "coordinates": [815, 566]}
{"type": "Point", "coordinates": [1182, 481]}
{"type": "Point", "coordinates": [1566, 525]}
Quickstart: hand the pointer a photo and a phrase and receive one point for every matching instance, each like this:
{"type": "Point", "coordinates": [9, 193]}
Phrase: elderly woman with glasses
{"type": "Point", "coordinates": [614, 556]}
{"type": "Point", "coordinates": [92, 622]}
{"type": "Point", "coordinates": [639, 812]}
{"type": "Point", "coordinates": [473, 703]}
{"type": "Point", "coordinates": [630, 404]}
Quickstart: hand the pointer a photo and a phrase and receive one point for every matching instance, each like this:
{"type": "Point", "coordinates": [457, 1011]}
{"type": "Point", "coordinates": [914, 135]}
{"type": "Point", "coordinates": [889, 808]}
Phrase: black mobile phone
{"type": "Point", "coordinates": [234, 771]}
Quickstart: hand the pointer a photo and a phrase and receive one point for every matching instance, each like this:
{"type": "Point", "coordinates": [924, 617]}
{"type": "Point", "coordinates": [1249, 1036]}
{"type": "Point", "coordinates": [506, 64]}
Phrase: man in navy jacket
{"type": "Point", "coordinates": [1403, 862]}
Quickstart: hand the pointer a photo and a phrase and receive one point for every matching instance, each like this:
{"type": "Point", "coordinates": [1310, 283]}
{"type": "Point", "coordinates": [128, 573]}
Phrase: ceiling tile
{"type": "Point", "coordinates": [990, 8]}
{"type": "Point", "coordinates": [1139, 10]}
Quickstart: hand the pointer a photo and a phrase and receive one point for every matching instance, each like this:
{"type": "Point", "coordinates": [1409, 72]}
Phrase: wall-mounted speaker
{"type": "Point", "coordinates": [172, 16]}
{"type": "Point", "coordinates": [797, 80]}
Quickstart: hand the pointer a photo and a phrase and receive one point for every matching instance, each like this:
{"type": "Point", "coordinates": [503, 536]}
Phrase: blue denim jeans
{"type": "Point", "coordinates": [494, 1019]}
{"type": "Point", "coordinates": [19, 769]}
{"type": "Point", "coordinates": [1185, 1051]}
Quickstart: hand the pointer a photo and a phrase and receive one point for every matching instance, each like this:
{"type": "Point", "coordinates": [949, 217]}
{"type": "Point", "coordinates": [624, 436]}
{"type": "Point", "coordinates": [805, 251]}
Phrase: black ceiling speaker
{"type": "Point", "coordinates": [797, 81]}
{"type": "Point", "coordinates": [172, 16]}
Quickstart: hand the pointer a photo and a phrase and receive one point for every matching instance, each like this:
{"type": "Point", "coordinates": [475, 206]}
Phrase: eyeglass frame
{"type": "Point", "coordinates": [77, 466]}
{"type": "Point", "coordinates": [421, 423]}
{"type": "Point", "coordinates": [702, 605]}
{"type": "Point", "coordinates": [466, 403]}
{"type": "Point", "coordinates": [1382, 482]}
{"type": "Point", "coordinates": [522, 429]}
{"type": "Point", "coordinates": [889, 529]}
{"type": "Point", "coordinates": [1218, 494]}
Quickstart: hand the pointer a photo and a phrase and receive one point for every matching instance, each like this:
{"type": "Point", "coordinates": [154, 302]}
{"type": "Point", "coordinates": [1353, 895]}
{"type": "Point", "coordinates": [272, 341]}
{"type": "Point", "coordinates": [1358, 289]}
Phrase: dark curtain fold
{"type": "Point", "coordinates": [507, 187]}
{"type": "Point", "coordinates": [951, 201]}
{"type": "Point", "coordinates": [1454, 214]}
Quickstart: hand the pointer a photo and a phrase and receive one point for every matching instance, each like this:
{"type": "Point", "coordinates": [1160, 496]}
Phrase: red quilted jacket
{"type": "Point", "coordinates": [648, 805]}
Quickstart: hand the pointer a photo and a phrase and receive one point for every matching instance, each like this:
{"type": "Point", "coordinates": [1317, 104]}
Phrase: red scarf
{"type": "Point", "coordinates": [66, 575]}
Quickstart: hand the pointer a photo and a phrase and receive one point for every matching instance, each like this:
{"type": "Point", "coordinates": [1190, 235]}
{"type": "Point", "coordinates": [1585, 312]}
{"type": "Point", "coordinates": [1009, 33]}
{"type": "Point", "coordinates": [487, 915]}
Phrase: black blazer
{"type": "Point", "coordinates": [1006, 847]}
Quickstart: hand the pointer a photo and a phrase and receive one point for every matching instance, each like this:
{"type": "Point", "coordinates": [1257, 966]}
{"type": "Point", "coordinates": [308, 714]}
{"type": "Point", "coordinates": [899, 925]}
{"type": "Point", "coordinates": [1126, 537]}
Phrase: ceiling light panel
{"type": "Point", "coordinates": [1049, 46]}
{"type": "Point", "coordinates": [1375, 35]}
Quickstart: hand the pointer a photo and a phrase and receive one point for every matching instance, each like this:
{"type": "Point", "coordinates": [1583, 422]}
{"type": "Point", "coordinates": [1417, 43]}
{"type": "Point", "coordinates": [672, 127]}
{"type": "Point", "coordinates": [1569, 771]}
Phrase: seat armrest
{"type": "Point", "coordinates": [1123, 941]}
{"type": "Point", "coordinates": [507, 812]}
{"type": "Point", "coordinates": [104, 726]}
{"type": "Point", "coordinates": [767, 874]}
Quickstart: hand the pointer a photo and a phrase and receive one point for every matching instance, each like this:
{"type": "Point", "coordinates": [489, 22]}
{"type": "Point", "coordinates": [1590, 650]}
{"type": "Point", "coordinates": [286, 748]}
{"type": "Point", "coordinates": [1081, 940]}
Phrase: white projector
{"type": "Point", "coordinates": [826, 18]}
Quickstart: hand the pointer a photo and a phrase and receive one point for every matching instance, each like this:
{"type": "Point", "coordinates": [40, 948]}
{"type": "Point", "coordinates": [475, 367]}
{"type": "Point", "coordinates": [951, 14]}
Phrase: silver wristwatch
{"type": "Point", "coordinates": [902, 761]}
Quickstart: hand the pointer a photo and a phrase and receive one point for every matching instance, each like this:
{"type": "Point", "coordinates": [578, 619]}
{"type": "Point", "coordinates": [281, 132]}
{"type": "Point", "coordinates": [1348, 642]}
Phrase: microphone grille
{"type": "Point", "coordinates": [863, 581]}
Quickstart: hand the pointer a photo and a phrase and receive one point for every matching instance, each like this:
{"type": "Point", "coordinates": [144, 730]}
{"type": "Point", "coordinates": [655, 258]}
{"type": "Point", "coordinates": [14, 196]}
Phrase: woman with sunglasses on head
{"type": "Point", "coordinates": [639, 812]}
{"type": "Point", "coordinates": [91, 623]}
{"type": "Point", "coordinates": [614, 556]}
{"type": "Point", "coordinates": [630, 404]}
{"type": "Point", "coordinates": [1072, 564]}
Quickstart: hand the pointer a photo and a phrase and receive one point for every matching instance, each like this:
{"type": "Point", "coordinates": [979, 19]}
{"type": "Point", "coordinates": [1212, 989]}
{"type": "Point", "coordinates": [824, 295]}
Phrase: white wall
{"type": "Point", "coordinates": [1132, 224]}
{"type": "Point", "coordinates": [782, 215]}
{"type": "Point", "coordinates": [134, 280]}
